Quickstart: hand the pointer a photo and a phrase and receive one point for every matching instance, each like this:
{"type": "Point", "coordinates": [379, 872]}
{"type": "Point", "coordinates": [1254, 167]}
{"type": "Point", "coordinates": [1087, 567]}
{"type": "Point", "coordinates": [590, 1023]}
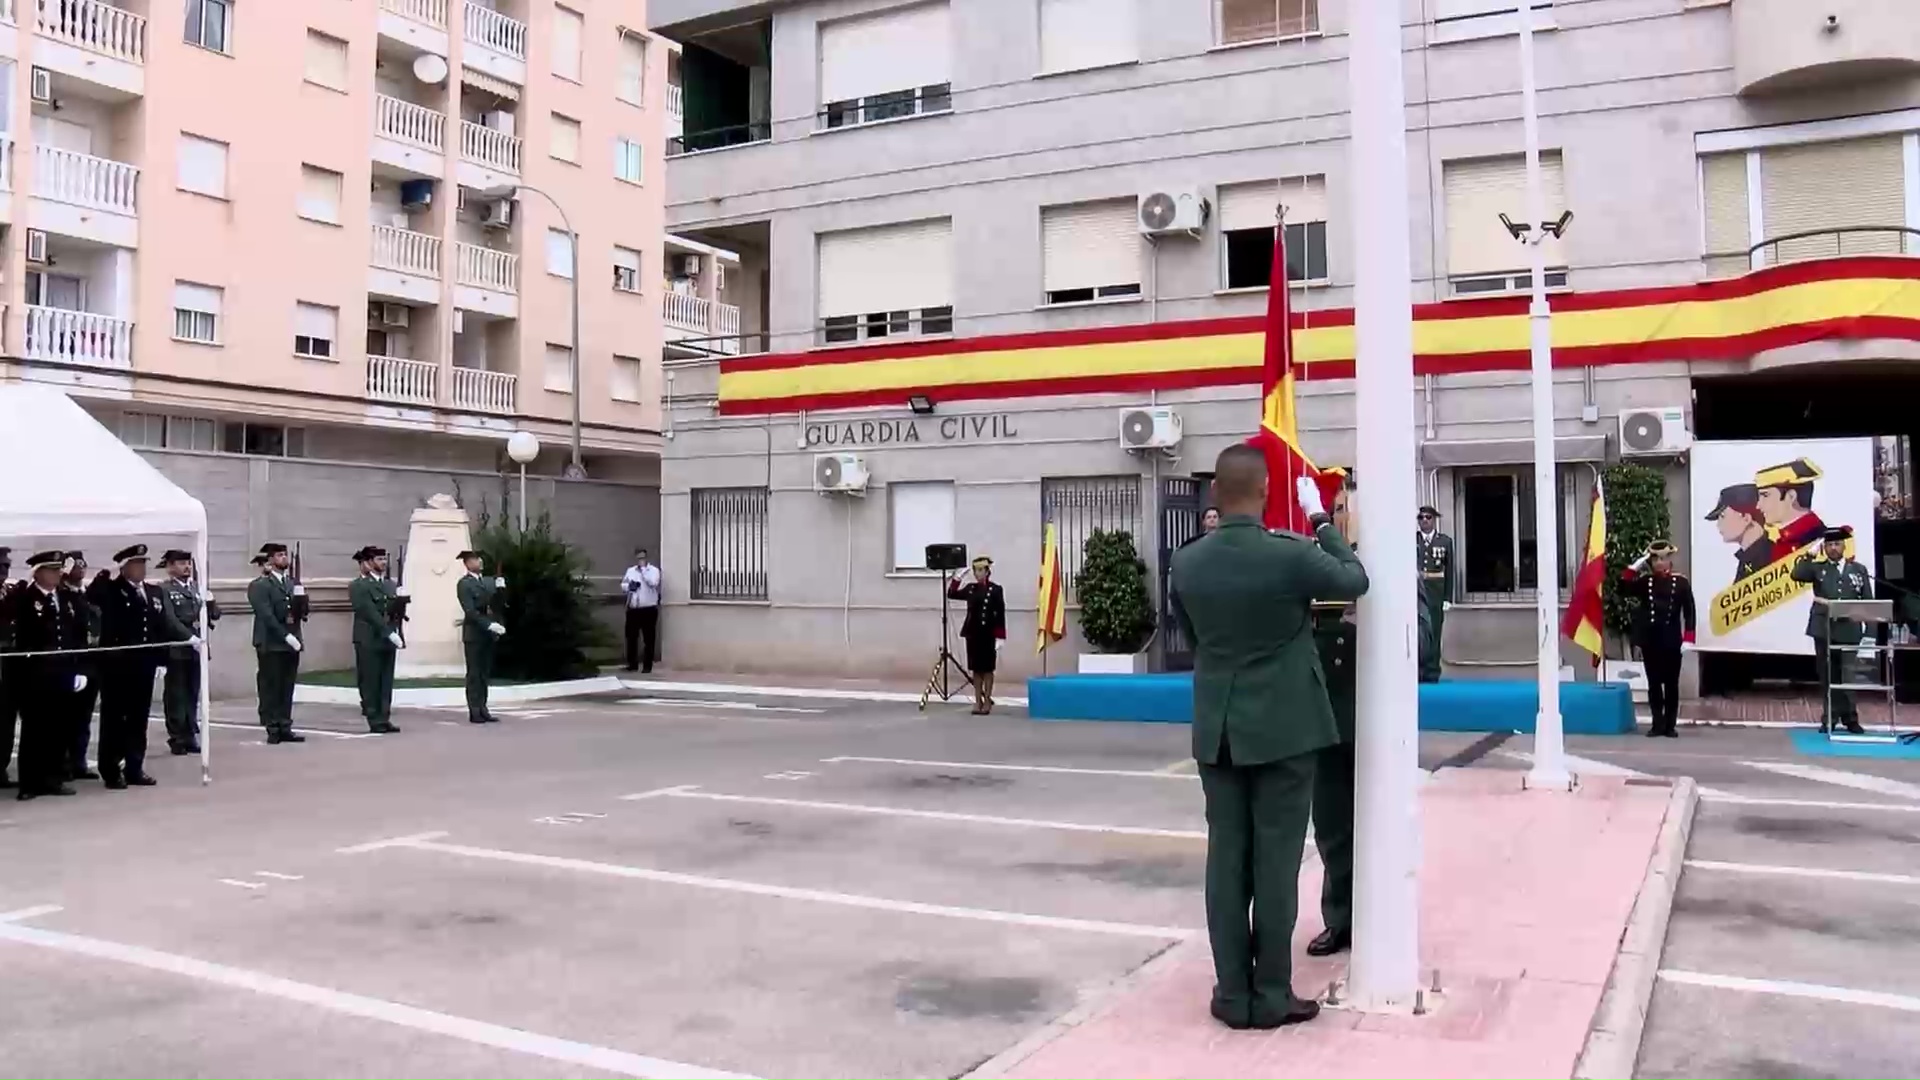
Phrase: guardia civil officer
{"type": "Point", "coordinates": [480, 628]}
{"type": "Point", "coordinates": [131, 622]}
{"type": "Point", "coordinates": [376, 639]}
{"type": "Point", "coordinates": [1435, 551]}
{"type": "Point", "coordinates": [984, 629]}
{"type": "Point", "coordinates": [1834, 576]}
{"type": "Point", "coordinates": [1662, 627]}
{"type": "Point", "coordinates": [181, 608]}
{"type": "Point", "coordinates": [42, 625]}
{"type": "Point", "coordinates": [276, 642]}
{"type": "Point", "coordinates": [1335, 637]}
{"type": "Point", "coordinates": [1244, 596]}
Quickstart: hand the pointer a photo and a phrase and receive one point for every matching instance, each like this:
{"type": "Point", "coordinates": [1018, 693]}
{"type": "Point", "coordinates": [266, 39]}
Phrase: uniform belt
{"type": "Point", "coordinates": [1434, 574]}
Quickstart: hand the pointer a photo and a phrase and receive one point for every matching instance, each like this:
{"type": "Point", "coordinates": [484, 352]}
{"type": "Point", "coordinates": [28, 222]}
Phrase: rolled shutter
{"type": "Point", "coordinates": [1088, 245]}
{"type": "Point", "coordinates": [1078, 34]}
{"type": "Point", "coordinates": [1723, 199]}
{"type": "Point", "coordinates": [1832, 185]}
{"type": "Point", "coordinates": [906, 267]}
{"type": "Point", "coordinates": [190, 297]}
{"type": "Point", "coordinates": [1478, 192]}
{"type": "Point", "coordinates": [878, 54]}
{"type": "Point", "coordinates": [1251, 206]}
{"type": "Point", "coordinates": [566, 43]}
{"type": "Point", "coordinates": [203, 165]}
{"type": "Point", "coordinates": [316, 321]}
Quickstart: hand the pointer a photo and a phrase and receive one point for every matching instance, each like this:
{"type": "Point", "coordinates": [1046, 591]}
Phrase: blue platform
{"type": "Point", "coordinates": [1462, 705]}
{"type": "Point", "coordinates": [1818, 745]}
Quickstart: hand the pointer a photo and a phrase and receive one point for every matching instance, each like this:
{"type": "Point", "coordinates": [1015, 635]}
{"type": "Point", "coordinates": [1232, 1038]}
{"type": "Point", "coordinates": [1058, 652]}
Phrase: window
{"type": "Point", "coordinates": [1090, 251]}
{"type": "Point", "coordinates": [565, 136]}
{"type": "Point", "coordinates": [143, 431]}
{"type": "Point", "coordinates": [1830, 185]}
{"type": "Point", "coordinates": [209, 23]}
{"type": "Point", "coordinates": [190, 433]}
{"type": "Point", "coordinates": [1727, 218]}
{"type": "Point", "coordinates": [320, 194]}
{"type": "Point", "coordinates": [626, 378]}
{"type": "Point", "coordinates": [558, 371]}
{"type": "Point", "coordinates": [326, 61]}
{"type": "Point", "coordinates": [1080, 506]}
{"type": "Point", "coordinates": [626, 160]}
{"type": "Point", "coordinates": [315, 328]}
{"type": "Point", "coordinates": [1466, 20]}
{"type": "Point", "coordinates": [886, 281]}
{"type": "Point", "coordinates": [196, 312]}
{"type": "Point", "coordinates": [920, 513]}
{"type": "Point", "coordinates": [1240, 21]}
{"type": "Point", "coordinates": [1498, 554]}
{"type": "Point", "coordinates": [263, 440]}
{"type": "Point", "coordinates": [566, 43]}
{"type": "Point", "coordinates": [1482, 256]}
{"type": "Point", "coordinates": [201, 166]}
{"type": "Point", "coordinates": [559, 253]}
{"type": "Point", "coordinates": [1246, 231]}
{"type": "Point", "coordinates": [633, 69]}
{"type": "Point", "coordinates": [729, 543]}
{"type": "Point", "coordinates": [157, 431]}
{"type": "Point", "coordinates": [1078, 34]}
{"type": "Point", "coordinates": [626, 270]}
{"type": "Point", "coordinates": [886, 66]}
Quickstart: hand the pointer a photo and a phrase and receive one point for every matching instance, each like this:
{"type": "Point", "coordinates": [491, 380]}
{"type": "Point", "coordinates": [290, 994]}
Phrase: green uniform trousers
{"type": "Point", "coordinates": [1834, 663]}
{"type": "Point", "coordinates": [479, 670]}
{"type": "Point", "coordinates": [181, 701]}
{"type": "Point", "coordinates": [274, 683]}
{"type": "Point", "coordinates": [1333, 833]}
{"type": "Point", "coordinates": [373, 674]}
{"type": "Point", "coordinates": [1256, 833]}
{"type": "Point", "coordinates": [1434, 595]}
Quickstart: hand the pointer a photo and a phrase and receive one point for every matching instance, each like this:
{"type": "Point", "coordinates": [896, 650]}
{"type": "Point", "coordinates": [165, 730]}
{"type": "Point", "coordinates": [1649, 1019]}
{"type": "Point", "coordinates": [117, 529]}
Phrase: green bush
{"type": "Point", "coordinates": [1636, 516]}
{"type": "Point", "coordinates": [549, 602]}
{"type": "Point", "coordinates": [1116, 615]}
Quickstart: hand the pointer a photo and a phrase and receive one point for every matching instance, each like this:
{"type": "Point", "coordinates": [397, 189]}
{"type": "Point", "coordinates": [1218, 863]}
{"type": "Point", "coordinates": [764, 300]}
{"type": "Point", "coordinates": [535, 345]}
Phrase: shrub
{"type": "Point", "coordinates": [1636, 516]}
{"type": "Point", "coordinates": [549, 603]}
{"type": "Point", "coordinates": [1116, 615]}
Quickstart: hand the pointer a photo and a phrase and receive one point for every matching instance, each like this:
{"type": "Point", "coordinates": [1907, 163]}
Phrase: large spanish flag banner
{"type": "Point", "coordinates": [1053, 605]}
{"type": "Point", "coordinates": [1586, 612]}
{"type": "Point", "coordinates": [1279, 434]}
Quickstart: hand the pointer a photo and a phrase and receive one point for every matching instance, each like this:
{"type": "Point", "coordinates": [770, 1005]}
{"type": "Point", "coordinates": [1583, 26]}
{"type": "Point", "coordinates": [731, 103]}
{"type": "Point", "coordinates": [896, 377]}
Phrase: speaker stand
{"type": "Point", "coordinates": [944, 664]}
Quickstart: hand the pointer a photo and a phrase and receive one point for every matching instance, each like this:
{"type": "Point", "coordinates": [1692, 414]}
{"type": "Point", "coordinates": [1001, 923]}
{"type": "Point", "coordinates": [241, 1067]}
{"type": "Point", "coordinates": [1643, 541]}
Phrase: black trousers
{"type": "Point", "coordinates": [45, 706]}
{"type": "Point", "coordinates": [126, 702]}
{"type": "Point", "coordinates": [643, 626]}
{"type": "Point", "coordinates": [181, 700]}
{"type": "Point", "coordinates": [1663, 683]}
{"type": "Point", "coordinates": [11, 693]}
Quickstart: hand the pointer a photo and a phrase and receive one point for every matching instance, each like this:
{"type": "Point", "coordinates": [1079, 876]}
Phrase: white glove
{"type": "Point", "coordinates": [293, 643]}
{"type": "Point", "coordinates": [79, 683]}
{"type": "Point", "coordinates": [395, 638]}
{"type": "Point", "coordinates": [193, 641]}
{"type": "Point", "coordinates": [997, 643]}
{"type": "Point", "coordinates": [1309, 493]}
{"type": "Point", "coordinates": [499, 583]}
{"type": "Point", "coordinates": [496, 629]}
{"type": "Point", "coordinates": [1641, 562]}
{"type": "Point", "coordinates": [1686, 646]}
{"type": "Point", "coordinates": [1446, 606]}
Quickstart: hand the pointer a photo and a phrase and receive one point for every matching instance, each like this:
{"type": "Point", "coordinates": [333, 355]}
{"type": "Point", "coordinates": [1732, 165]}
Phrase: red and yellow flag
{"type": "Point", "coordinates": [1586, 614]}
{"type": "Point", "coordinates": [1279, 435]}
{"type": "Point", "coordinates": [1053, 606]}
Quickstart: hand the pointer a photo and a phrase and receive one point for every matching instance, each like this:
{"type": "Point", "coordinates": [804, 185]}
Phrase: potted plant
{"type": "Point", "coordinates": [1116, 614]}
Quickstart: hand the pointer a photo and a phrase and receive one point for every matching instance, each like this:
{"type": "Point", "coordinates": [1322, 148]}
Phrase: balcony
{"type": "Point", "coordinates": [92, 41]}
{"type": "Point", "coordinates": [408, 382]}
{"type": "Point", "coordinates": [497, 45]}
{"type": "Point", "coordinates": [1788, 45]}
{"type": "Point", "coordinates": [85, 196]}
{"type": "Point", "coordinates": [480, 390]}
{"type": "Point", "coordinates": [488, 158]}
{"type": "Point", "coordinates": [410, 138]}
{"type": "Point", "coordinates": [418, 25]}
{"type": "Point", "coordinates": [486, 280]}
{"type": "Point", "coordinates": [700, 325]}
{"type": "Point", "coordinates": [78, 337]}
{"type": "Point", "coordinates": [406, 265]}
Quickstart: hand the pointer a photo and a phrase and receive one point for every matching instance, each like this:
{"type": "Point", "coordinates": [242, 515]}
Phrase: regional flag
{"type": "Point", "coordinates": [1586, 614]}
{"type": "Point", "coordinates": [1053, 606]}
{"type": "Point", "coordinates": [1279, 435]}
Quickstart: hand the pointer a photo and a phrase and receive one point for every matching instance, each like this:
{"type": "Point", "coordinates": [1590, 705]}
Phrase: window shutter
{"type": "Point", "coordinates": [202, 298]}
{"type": "Point", "coordinates": [559, 253]}
{"type": "Point", "coordinates": [1087, 33]}
{"type": "Point", "coordinates": [889, 268]}
{"type": "Point", "coordinates": [566, 43]}
{"type": "Point", "coordinates": [558, 373]}
{"type": "Point", "coordinates": [878, 54]}
{"type": "Point", "coordinates": [1088, 245]}
{"type": "Point", "coordinates": [566, 138]}
{"type": "Point", "coordinates": [316, 321]}
{"type": "Point", "coordinates": [326, 60]}
{"type": "Point", "coordinates": [319, 193]}
{"type": "Point", "coordinates": [1723, 198]}
{"type": "Point", "coordinates": [202, 165]}
{"type": "Point", "coordinates": [633, 68]}
{"type": "Point", "coordinates": [628, 258]}
{"type": "Point", "coordinates": [1478, 192]}
{"type": "Point", "coordinates": [1830, 185]}
{"type": "Point", "coordinates": [1251, 206]}
{"type": "Point", "coordinates": [922, 515]}
{"type": "Point", "coordinates": [626, 379]}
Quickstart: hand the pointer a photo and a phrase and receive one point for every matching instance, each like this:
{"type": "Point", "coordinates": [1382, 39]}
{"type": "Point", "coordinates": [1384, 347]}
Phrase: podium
{"type": "Point", "coordinates": [1866, 667]}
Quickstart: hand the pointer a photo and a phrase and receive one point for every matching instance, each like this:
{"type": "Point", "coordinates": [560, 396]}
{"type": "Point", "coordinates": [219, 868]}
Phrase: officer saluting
{"type": "Point", "coordinates": [984, 629]}
{"type": "Point", "coordinates": [1834, 576]}
{"type": "Point", "coordinates": [479, 629]}
{"type": "Point", "coordinates": [276, 641]}
{"type": "Point", "coordinates": [1435, 554]}
{"type": "Point", "coordinates": [130, 620]}
{"type": "Point", "coordinates": [1663, 621]}
{"type": "Point", "coordinates": [180, 612]}
{"type": "Point", "coordinates": [42, 624]}
{"type": "Point", "coordinates": [376, 638]}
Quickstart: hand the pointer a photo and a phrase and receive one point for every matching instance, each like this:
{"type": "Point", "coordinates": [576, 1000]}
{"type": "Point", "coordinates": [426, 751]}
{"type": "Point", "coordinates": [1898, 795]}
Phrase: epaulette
{"type": "Point", "coordinates": [1289, 534]}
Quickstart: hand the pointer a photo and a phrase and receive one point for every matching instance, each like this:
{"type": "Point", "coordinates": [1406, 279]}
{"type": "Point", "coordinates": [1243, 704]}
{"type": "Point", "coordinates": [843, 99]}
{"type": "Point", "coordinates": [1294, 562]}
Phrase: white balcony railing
{"type": "Point", "coordinates": [406, 252]}
{"type": "Point", "coordinates": [79, 337]}
{"type": "Point", "coordinates": [85, 180]}
{"type": "Point", "coordinates": [488, 27]}
{"type": "Point", "coordinates": [6, 157]}
{"type": "Point", "coordinates": [96, 27]}
{"type": "Point", "coordinates": [406, 122]}
{"type": "Point", "coordinates": [726, 321]}
{"type": "Point", "coordinates": [684, 311]}
{"type": "Point", "coordinates": [676, 100]}
{"type": "Point", "coordinates": [430, 12]}
{"type": "Point", "coordinates": [493, 149]}
{"type": "Point", "coordinates": [485, 268]}
{"type": "Point", "coordinates": [390, 378]}
{"type": "Point", "coordinates": [697, 318]}
{"type": "Point", "coordinates": [483, 390]}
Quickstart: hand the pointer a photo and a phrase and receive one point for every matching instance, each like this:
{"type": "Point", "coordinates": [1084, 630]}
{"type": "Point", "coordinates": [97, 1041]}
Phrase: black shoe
{"type": "Point", "coordinates": [26, 794]}
{"type": "Point", "coordinates": [290, 735]}
{"type": "Point", "coordinates": [141, 780]}
{"type": "Point", "coordinates": [1856, 729]}
{"type": "Point", "coordinates": [59, 789]}
{"type": "Point", "coordinates": [274, 736]}
{"type": "Point", "coordinates": [1234, 1017]}
{"type": "Point", "coordinates": [193, 748]}
{"type": "Point", "coordinates": [492, 719]}
{"type": "Point", "coordinates": [1653, 732]}
{"type": "Point", "coordinates": [1670, 732]}
{"type": "Point", "coordinates": [114, 783]}
{"type": "Point", "coordinates": [178, 751]}
{"type": "Point", "coordinates": [86, 774]}
{"type": "Point", "coordinates": [1329, 942]}
{"type": "Point", "coordinates": [476, 719]}
{"type": "Point", "coordinates": [633, 667]}
{"type": "Point", "coordinates": [1298, 1011]}
{"type": "Point", "coordinates": [384, 729]}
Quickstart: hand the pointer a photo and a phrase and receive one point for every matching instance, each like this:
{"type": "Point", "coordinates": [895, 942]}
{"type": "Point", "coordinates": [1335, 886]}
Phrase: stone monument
{"type": "Point", "coordinates": [437, 533]}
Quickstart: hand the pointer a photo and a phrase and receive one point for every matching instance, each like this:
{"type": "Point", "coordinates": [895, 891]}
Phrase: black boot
{"type": "Point", "coordinates": [1330, 941]}
{"type": "Point", "coordinates": [113, 781]}
{"type": "Point", "coordinates": [287, 734]}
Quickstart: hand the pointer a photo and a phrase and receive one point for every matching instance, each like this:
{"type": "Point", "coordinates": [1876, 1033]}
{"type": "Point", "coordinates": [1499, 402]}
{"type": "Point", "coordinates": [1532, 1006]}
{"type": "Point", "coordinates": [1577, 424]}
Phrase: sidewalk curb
{"type": "Point", "coordinates": [829, 693]}
{"type": "Point", "coordinates": [1613, 1043]}
{"type": "Point", "coordinates": [449, 696]}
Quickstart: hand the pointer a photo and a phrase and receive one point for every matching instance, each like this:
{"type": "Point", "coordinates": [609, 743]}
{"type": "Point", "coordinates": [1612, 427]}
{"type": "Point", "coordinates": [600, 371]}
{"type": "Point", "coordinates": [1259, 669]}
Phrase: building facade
{"type": "Point", "coordinates": [973, 239]}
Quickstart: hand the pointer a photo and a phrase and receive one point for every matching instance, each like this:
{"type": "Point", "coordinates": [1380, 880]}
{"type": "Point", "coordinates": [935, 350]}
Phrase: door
{"type": "Point", "coordinates": [1182, 498]}
{"type": "Point", "coordinates": [63, 291]}
{"type": "Point", "coordinates": [1490, 533]}
{"type": "Point", "coordinates": [62, 134]}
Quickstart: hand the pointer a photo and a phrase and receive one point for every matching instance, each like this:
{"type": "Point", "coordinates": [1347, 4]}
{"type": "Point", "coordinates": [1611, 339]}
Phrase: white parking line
{"type": "Point", "coordinates": [237, 883]}
{"type": "Point", "coordinates": [752, 888]}
{"type": "Point", "coordinates": [1803, 871]}
{"type": "Point", "coordinates": [1795, 989]}
{"type": "Point", "coordinates": [1715, 795]}
{"type": "Point", "coordinates": [824, 693]}
{"type": "Point", "coordinates": [938, 815]}
{"type": "Point", "coordinates": [1860, 781]}
{"type": "Point", "coordinates": [279, 877]}
{"type": "Point", "coordinates": [392, 1012]}
{"type": "Point", "coordinates": [1154, 774]}
{"type": "Point", "coordinates": [262, 732]}
{"type": "Point", "coordinates": [742, 706]}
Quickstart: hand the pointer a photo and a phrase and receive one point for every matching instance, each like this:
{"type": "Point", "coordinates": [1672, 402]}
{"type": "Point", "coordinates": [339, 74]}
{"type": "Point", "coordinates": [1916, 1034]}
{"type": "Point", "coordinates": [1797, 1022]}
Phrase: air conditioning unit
{"type": "Point", "coordinates": [1654, 431]}
{"type": "Point", "coordinates": [688, 265]}
{"type": "Point", "coordinates": [842, 474]}
{"type": "Point", "coordinates": [37, 246]}
{"type": "Point", "coordinates": [1154, 428]}
{"type": "Point", "coordinates": [398, 315]}
{"type": "Point", "coordinates": [498, 215]}
{"type": "Point", "coordinates": [42, 88]}
{"type": "Point", "coordinates": [1175, 210]}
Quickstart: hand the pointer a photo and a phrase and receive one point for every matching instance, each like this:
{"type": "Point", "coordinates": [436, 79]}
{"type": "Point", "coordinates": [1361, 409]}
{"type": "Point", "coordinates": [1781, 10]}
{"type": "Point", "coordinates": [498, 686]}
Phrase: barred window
{"type": "Point", "coordinates": [1079, 506]}
{"type": "Point", "coordinates": [729, 543]}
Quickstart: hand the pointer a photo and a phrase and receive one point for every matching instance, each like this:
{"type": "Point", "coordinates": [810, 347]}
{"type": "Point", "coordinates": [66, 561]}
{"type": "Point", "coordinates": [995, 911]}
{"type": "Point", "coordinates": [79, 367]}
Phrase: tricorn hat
{"type": "Point", "coordinates": [1661, 547]}
{"type": "Point", "coordinates": [272, 549]}
{"type": "Point", "coordinates": [465, 555]}
{"type": "Point", "coordinates": [133, 553]}
{"type": "Point", "coordinates": [1788, 473]}
{"type": "Point", "coordinates": [1838, 532]}
{"type": "Point", "coordinates": [175, 555]}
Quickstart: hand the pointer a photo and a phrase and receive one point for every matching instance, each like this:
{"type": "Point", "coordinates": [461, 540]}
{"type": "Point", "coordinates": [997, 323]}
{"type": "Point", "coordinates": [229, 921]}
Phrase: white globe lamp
{"type": "Point", "coordinates": [522, 447]}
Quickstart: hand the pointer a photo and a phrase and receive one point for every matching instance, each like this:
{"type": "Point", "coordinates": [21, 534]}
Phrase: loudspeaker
{"type": "Point", "coordinates": [946, 556]}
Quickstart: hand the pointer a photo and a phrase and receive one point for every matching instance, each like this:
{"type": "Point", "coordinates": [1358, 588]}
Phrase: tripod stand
{"type": "Point", "coordinates": [944, 663]}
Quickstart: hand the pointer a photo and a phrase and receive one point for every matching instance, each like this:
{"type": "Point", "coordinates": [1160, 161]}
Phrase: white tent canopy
{"type": "Point", "coordinates": [70, 481]}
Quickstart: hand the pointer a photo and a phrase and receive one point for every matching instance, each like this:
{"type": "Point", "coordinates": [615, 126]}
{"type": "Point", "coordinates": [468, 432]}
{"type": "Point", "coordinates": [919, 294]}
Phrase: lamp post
{"type": "Point", "coordinates": [523, 448]}
{"type": "Point", "coordinates": [575, 470]}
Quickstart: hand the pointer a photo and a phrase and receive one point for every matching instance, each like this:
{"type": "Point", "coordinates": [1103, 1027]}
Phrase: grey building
{"type": "Point", "coordinates": [947, 262]}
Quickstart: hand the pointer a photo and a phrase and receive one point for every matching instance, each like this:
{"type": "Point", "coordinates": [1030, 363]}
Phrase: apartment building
{"type": "Point", "coordinates": [1002, 263]}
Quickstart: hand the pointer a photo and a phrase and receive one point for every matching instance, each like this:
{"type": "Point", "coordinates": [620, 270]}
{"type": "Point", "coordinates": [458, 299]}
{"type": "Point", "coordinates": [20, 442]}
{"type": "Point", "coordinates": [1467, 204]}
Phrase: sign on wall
{"type": "Point", "coordinates": [1756, 507]}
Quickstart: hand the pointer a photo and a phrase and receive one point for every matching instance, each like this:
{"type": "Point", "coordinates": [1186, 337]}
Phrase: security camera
{"type": "Point", "coordinates": [1833, 24]}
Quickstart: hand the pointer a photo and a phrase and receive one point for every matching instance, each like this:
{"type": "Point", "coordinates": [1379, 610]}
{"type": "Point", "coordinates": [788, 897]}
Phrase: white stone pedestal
{"type": "Point", "coordinates": [438, 532]}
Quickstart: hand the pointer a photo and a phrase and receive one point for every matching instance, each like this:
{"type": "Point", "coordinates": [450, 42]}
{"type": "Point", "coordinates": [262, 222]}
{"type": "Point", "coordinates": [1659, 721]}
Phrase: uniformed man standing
{"type": "Point", "coordinates": [131, 620]}
{"type": "Point", "coordinates": [479, 629]}
{"type": "Point", "coordinates": [9, 674]}
{"type": "Point", "coordinates": [376, 641]}
{"type": "Point", "coordinates": [83, 632]}
{"type": "Point", "coordinates": [984, 630]}
{"type": "Point", "coordinates": [41, 624]}
{"type": "Point", "coordinates": [1435, 553]}
{"type": "Point", "coordinates": [1261, 714]}
{"type": "Point", "coordinates": [1834, 576]}
{"type": "Point", "coordinates": [1662, 627]}
{"type": "Point", "coordinates": [1336, 639]}
{"type": "Point", "coordinates": [180, 610]}
{"type": "Point", "coordinates": [276, 642]}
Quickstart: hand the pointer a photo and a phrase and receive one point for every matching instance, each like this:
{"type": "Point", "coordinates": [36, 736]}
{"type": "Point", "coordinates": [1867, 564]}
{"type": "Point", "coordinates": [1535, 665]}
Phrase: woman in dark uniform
{"type": "Point", "coordinates": [984, 630]}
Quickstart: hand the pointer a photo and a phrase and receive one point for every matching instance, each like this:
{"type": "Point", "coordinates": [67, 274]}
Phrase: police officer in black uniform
{"type": "Point", "coordinates": [43, 625]}
{"type": "Point", "coordinates": [1663, 619]}
{"type": "Point", "coordinates": [984, 629]}
{"type": "Point", "coordinates": [131, 621]}
{"type": "Point", "coordinates": [83, 609]}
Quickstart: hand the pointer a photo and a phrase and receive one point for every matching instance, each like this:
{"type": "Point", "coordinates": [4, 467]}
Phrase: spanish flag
{"type": "Point", "coordinates": [1279, 435]}
{"type": "Point", "coordinates": [1053, 606]}
{"type": "Point", "coordinates": [1586, 615]}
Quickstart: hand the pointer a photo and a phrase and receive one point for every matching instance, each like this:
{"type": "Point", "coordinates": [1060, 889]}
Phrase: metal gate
{"type": "Point", "coordinates": [1182, 498]}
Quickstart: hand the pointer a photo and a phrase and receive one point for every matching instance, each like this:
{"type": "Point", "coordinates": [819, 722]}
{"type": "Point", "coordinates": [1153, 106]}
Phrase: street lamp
{"type": "Point", "coordinates": [523, 448]}
{"type": "Point", "coordinates": [575, 470]}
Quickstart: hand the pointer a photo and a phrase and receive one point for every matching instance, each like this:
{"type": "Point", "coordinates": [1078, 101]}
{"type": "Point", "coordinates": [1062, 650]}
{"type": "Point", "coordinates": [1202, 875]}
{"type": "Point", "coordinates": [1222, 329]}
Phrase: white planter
{"type": "Point", "coordinates": [1631, 672]}
{"type": "Point", "coordinates": [1112, 663]}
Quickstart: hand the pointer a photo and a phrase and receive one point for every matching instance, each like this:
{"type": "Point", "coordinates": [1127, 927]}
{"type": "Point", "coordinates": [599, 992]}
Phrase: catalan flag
{"type": "Point", "coordinates": [1279, 435]}
{"type": "Point", "coordinates": [1053, 605]}
{"type": "Point", "coordinates": [1586, 615]}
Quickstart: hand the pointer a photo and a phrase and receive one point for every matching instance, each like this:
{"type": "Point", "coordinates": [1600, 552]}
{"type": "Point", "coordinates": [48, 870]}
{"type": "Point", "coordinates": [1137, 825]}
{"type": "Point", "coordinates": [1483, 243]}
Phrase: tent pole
{"type": "Point", "coordinates": [206, 649]}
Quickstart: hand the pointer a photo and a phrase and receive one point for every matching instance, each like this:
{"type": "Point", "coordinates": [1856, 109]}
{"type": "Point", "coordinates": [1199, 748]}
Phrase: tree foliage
{"type": "Point", "coordinates": [1637, 515]}
{"type": "Point", "coordinates": [548, 609]}
{"type": "Point", "coordinates": [1116, 615]}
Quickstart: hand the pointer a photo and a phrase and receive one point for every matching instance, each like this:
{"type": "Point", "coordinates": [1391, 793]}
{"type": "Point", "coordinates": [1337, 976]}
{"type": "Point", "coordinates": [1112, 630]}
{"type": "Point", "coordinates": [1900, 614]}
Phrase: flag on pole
{"type": "Point", "coordinates": [1279, 435]}
{"type": "Point", "coordinates": [1586, 614]}
{"type": "Point", "coordinates": [1053, 606]}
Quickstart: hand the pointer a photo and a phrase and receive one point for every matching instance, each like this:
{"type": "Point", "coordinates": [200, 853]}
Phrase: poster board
{"type": "Point", "coordinates": [1756, 506]}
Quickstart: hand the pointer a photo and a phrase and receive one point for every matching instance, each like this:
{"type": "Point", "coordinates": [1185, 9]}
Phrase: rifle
{"type": "Point", "coordinates": [300, 608]}
{"type": "Point", "coordinates": [397, 603]}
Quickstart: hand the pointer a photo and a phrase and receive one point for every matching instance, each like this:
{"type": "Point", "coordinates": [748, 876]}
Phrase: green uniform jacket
{"type": "Point", "coordinates": [1436, 557]}
{"type": "Point", "coordinates": [1845, 580]}
{"type": "Point", "coordinates": [370, 596]}
{"type": "Point", "coordinates": [1336, 637]}
{"type": "Point", "coordinates": [1243, 596]}
{"type": "Point", "coordinates": [180, 612]}
{"type": "Point", "coordinates": [271, 600]}
{"type": "Point", "coordinates": [476, 604]}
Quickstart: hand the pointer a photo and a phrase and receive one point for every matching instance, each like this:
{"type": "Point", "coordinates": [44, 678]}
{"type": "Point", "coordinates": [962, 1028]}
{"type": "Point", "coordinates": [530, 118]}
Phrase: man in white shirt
{"type": "Point", "coordinates": [642, 587]}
